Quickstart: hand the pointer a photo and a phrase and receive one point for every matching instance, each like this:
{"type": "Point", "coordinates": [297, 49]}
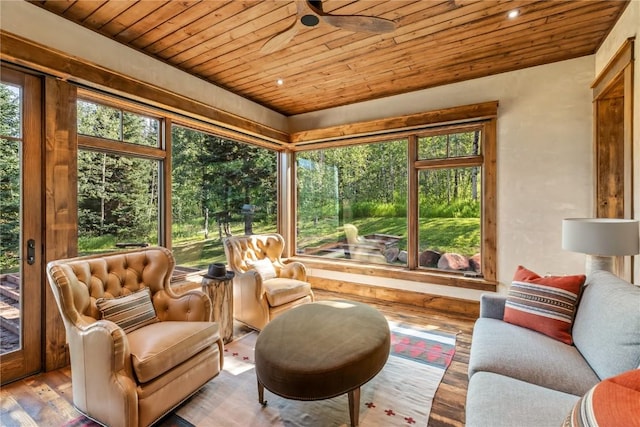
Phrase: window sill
{"type": "Point", "coordinates": [401, 273]}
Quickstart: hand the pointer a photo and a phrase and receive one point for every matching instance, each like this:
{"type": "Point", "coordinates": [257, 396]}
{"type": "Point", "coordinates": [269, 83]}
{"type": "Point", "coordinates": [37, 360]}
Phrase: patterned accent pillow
{"type": "Point", "coordinates": [612, 402]}
{"type": "Point", "coordinates": [264, 267]}
{"type": "Point", "coordinates": [130, 312]}
{"type": "Point", "coordinates": [544, 304]}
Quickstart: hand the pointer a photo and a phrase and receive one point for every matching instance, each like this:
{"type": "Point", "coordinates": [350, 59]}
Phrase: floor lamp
{"type": "Point", "coordinates": [601, 239]}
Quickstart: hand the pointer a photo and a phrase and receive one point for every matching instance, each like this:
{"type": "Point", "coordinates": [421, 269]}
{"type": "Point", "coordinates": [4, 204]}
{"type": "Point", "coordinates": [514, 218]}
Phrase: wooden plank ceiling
{"type": "Point", "coordinates": [435, 43]}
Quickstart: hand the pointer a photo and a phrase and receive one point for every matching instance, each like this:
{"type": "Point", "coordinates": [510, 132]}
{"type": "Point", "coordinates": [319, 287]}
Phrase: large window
{"type": "Point", "coordinates": [220, 187]}
{"type": "Point", "coordinates": [352, 202]}
{"type": "Point", "coordinates": [424, 203]}
{"type": "Point", "coordinates": [449, 195]}
{"type": "Point", "coordinates": [119, 179]}
{"type": "Point", "coordinates": [10, 141]}
{"type": "Point", "coordinates": [421, 201]}
{"type": "Point", "coordinates": [117, 202]}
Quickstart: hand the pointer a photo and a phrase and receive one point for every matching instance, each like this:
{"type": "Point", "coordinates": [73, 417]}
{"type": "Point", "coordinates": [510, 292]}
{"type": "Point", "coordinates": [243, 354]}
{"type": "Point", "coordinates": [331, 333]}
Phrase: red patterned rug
{"type": "Point", "coordinates": [400, 395]}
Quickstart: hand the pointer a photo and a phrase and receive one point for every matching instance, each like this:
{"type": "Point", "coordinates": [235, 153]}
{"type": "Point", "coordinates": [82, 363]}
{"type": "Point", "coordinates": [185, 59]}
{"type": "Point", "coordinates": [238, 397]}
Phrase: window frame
{"type": "Point", "coordinates": [482, 117]}
{"type": "Point", "coordinates": [478, 115]}
{"type": "Point", "coordinates": [162, 153]}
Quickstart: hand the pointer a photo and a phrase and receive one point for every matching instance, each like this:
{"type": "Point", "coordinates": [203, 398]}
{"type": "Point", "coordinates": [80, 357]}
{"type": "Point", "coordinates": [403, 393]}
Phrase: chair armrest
{"type": "Point", "coordinates": [192, 306]}
{"type": "Point", "coordinates": [294, 270]}
{"type": "Point", "coordinates": [102, 374]}
{"type": "Point", "coordinates": [492, 306]}
{"type": "Point", "coordinates": [250, 282]}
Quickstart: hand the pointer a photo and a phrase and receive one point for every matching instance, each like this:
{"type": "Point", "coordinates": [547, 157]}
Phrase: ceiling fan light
{"type": "Point", "coordinates": [310, 20]}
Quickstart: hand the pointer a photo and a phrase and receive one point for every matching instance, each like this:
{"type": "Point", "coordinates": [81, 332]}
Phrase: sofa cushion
{"type": "Point", "coordinates": [162, 346]}
{"type": "Point", "coordinates": [498, 401]}
{"type": "Point", "coordinates": [544, 304]}
{"type": "Point", "coordinates": [612, 402]}
{"type": "Point", "coordinates": [607, 325]}
{"type": "Point", "coordinates": [130, 312]}
{"type": "Point", "coordinates": [529, 356]}
{"type": "Point", "coordinates": [281, 291]}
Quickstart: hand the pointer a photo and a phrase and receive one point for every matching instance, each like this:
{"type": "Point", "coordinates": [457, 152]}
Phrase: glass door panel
{"type": "Point", "coordinates": [20, 224]}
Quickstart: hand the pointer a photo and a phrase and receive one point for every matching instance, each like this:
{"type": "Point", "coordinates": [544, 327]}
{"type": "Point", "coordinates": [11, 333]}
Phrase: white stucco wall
{"type": "Point", "coordinates": [32, 22]}
{"type": "Point", "coordinates": [544, 157]}
{"type": "Point", "coordinates": [627, 26]}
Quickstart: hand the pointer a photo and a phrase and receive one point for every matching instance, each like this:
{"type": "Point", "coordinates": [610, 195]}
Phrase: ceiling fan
{"type": "Point", "coordinates": [309, 14]}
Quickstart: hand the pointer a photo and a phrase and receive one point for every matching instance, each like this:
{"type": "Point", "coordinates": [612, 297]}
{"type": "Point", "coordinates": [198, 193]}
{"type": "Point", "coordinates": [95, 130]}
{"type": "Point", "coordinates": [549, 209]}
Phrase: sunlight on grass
{"type": "Point", "coordinates": [191, 249]}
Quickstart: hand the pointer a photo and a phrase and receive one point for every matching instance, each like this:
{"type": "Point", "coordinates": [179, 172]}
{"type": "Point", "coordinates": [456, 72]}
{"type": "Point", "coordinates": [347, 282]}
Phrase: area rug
{"type": "Point", "coordinates": [400, 395]}
{"type": "Point", "coordinates": [171, 420]}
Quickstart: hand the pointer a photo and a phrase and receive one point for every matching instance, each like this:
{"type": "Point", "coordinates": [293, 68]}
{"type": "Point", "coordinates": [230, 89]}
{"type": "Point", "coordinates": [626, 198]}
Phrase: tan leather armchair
{"type": "Point", "coordinates": [263, 286]}
{"type": "Point", "coordinates": [133, 378]}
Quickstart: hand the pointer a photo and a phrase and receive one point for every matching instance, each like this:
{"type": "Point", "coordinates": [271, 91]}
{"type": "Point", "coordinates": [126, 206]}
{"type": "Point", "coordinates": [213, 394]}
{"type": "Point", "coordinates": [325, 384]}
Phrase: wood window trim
{"type": "Point", "coordinates": [41, 58]}
{"type": "Point", "coordinates": [111, 146]}
{"type": "Point", "coordinates": [400, 273]}
{"type": "Point", "coordinates": [409, 124]}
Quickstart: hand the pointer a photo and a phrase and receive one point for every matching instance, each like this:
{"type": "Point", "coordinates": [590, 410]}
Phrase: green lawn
{"type": "Point", "coordinates": [191, 249]}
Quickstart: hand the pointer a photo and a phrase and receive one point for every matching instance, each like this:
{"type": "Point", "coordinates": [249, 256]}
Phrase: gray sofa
{"type": "Point", "coordinates": [519, 377]}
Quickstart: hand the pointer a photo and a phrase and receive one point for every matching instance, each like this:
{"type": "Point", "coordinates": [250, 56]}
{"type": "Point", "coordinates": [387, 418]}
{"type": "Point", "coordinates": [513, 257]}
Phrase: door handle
{"type": "Point", "coordinates": [31, 251]}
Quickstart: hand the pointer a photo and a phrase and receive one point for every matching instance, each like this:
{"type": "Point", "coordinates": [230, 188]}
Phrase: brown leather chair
{"type": "Point", "coordinates": [264, 286]}
{"type": "Point", "coordinates": [170, 347]}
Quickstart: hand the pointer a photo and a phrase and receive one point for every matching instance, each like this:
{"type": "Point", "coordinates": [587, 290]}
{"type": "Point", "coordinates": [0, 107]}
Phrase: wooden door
{"type": "Point", "coordinates": [613, 137]}
{"type": "Point", "coordinates": [21, 264]}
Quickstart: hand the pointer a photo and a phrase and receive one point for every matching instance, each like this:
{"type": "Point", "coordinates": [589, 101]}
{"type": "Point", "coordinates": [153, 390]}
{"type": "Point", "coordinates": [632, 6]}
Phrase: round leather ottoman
{"type": "Point", "coordinates": [322, 350]}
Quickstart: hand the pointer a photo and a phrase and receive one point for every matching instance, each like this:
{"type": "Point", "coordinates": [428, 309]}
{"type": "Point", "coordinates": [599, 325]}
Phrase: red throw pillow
{"type": "Point", "coordinates": [612, 402]}
{"type": "Point", "coordinates": [544, 304]}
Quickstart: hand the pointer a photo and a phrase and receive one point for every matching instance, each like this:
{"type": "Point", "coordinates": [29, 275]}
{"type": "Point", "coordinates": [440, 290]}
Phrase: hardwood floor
{"type": "Point", "coordinates": [46, 399]}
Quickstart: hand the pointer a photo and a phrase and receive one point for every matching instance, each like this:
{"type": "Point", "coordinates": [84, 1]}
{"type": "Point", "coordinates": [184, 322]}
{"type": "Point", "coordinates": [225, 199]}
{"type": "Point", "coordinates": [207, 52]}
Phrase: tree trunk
{"type": "Point", "coordinates": [474, 171]}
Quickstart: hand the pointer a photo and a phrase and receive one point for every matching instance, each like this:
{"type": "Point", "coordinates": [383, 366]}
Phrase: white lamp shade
{"type": "Point", "coordinates": [601, 236]}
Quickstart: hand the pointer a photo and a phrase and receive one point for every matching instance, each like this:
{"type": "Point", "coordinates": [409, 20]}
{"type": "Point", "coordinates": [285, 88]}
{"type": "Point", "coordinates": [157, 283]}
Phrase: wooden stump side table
{"type": "Point", "coordinates": [220, 292]}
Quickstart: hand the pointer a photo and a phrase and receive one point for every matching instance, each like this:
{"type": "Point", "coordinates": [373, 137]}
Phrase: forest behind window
{"type": "Point", "coordinates": [118, 193]}
{"type": "Point", "coordinates": [353, 201]}
{"type": "Point", "coordinates": [219, 188]}
{"type": "Point", "coordinates": [10, 149]}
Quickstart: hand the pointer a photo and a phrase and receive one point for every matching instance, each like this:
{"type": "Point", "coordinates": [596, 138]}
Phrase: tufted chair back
{"type": "Point", "coordinates": [131, 377]}
{"type": "Point", "coordinates": [243, 250]}
{"type": "Point", "coordinates": [82, 281]}
{"type": "Point", "coordinates": [262, 292]}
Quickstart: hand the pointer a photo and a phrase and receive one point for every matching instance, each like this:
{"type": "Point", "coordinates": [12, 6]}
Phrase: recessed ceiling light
{"type": "Point", "coordinates": [279, 82]}
{"type": "Point", "coordinates": [513, 14]}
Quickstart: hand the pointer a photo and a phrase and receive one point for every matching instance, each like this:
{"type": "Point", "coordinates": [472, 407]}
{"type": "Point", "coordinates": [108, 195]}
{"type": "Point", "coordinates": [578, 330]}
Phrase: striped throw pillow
{"type": "Point", "coordinates": [130, 312]}
{"type": "Point", "coordinates": [612, 402]}
{"type": "Point", "coordinates": [544, 304]}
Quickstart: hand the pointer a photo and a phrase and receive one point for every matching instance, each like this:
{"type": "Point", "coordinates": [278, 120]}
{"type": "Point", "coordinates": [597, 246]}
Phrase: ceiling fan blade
{"type": "Point", "coordinates": [279, 41]}
{"type": "Point", "coordinates": [359, 23]}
